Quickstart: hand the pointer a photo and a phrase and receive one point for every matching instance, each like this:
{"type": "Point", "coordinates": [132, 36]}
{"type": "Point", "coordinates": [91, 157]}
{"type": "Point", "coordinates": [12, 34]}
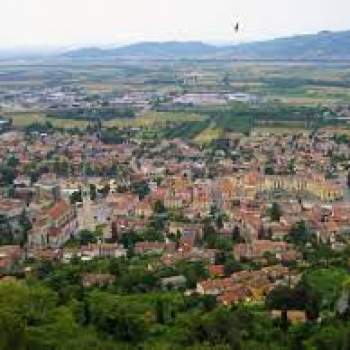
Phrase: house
{"type": "Point", "coordinates": [94, 213]}
{"type": "Point", "coordinates": [187, 230]}
{"type": "Point", "coordinates": [203, 195]}
{"type": "Point", "coordinates": [8, 279]}
{"type": "Point", "coordinates": [144, 209]}
{"type": "Point", "coordinates": [102, 250]}
{"type": "Point", "coordinates": [258, 282]}
{"type": "Point", "coordinates": [153, 247]}
{"type": "Point", "coordinates": [47, 188]}
{"type": "Point", "coordinates": [123, 204]}
{"type": "Point", "coordinates": [46, 254]}
{"type": "Point", "coordinates": [235, 295]}
{"type": "Point", "coordinates": [22, 181]}
{"type": "Point", "coordinates": [291, 256]}
{"type": "Point", "coordinates": [214, 287]}
{"type": "Point", "coordinates": [12, 209]}
{"type": "Point", "coordinates": [216, 271]}
{"type": "Point", "coordinates": [124, 224]}
{"type": "Point", "coordinates": [5, 124]}
{"type": "Point", "coordinates": [191, 254]}
{"type": "Point", "coordinates": [54, 226]}
{"type": "Point", "coordinates": [257, 249]}
{"type": "Point", "coordinates": [276, 272]}
{"type": "Point", "coordinates": [251, 225]}
{"type": "Point", "coordinates": [97, 279]}
{"type": "Point", "coordinates": [278, 230]}
{"type": "Point", "coordinates": [294, 316]}
{"type": "Point", "coordinates": [9, 256]}
{"type": "Point", "coordinates": [226, 188]}
{"type": "Point", "coordinates": [174, 282]}
{"type": "Point", "coordinates": [68, 253]}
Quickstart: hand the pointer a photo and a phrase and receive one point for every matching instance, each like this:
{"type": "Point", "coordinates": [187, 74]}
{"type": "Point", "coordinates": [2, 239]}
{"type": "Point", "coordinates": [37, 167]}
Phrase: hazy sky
{"type": "Point", "coordinates": [83, 22]}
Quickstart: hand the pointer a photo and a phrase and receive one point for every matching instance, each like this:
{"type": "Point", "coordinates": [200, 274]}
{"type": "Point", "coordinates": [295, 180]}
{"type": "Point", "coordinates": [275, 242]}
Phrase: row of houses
{"type": "Point", "coordinates": [246, 286]}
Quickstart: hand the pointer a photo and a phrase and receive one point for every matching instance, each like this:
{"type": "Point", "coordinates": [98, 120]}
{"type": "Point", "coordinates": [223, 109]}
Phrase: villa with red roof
{"type": "Point", "coordinates": [54, 226]}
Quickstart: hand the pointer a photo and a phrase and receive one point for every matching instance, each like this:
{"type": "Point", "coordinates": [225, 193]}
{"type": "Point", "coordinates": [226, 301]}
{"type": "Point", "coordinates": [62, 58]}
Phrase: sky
{"type": "Point", "coordinates": [63, 23]}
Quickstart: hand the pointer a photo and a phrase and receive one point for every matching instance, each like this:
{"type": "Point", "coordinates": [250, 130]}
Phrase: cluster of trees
{"type": "Point", "coordinates": [288, 83]}
{"type": "Point", "coordinates": [186, 130]}
{"type": "Point", "coordinates": [34, 316]}
{"type": "Point", "coordinates": [106, 170]}
{"type": "Point", "coordinates": [275, 212]}
{"type": "Point", "coordinates": [39, 127]}
{"type": "Point", "coordinates": [104, 113]}
{"type": "Point", "coordinates": [14, 231]}
{"type": "Point", "coordinates": [111, 136]}
{"type": "Point", "coordinates": [153, 231]}
{"type": "Point", "coordinates": [140, 188]}
{"type": "Point", "coordinates": [8, 170]}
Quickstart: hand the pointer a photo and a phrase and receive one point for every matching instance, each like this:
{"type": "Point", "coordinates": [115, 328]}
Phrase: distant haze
{"type": "Point", "coordinates": [57, 23]}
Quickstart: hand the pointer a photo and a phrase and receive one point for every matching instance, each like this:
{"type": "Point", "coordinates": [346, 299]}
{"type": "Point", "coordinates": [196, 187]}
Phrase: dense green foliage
{"type": "Point", "coordinates": [102, 113]}
{"type": "Point", "coordinates": [52, 310]}
{"type": "Point", "coordinates": [188, 130]}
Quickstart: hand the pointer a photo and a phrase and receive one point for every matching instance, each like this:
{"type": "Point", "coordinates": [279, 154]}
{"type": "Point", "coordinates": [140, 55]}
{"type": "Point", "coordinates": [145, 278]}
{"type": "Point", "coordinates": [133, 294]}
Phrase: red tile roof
{"type": "Point", "coordinates": [216, 270]}
{"type": "Point", "coordinates": [58, 209]}
{"type": "Point", "coordinates": [238, 294]}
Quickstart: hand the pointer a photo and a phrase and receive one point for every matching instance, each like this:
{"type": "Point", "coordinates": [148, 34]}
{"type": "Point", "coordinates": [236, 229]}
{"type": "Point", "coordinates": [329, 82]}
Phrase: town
{"type": "Point", "coordinates": [174, 195]}
{"type": "Point", "coordinates": [256, 200]}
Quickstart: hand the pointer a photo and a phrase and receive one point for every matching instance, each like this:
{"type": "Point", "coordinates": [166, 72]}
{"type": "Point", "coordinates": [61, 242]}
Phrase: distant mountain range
{"type": "Point", "coordinates": [170, 49]}
{"type": "Point", "coordinates": [324, 45]}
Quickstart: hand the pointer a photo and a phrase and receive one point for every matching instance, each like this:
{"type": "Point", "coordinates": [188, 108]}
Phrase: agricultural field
{"type": "Point", "coordinates": [291, 94]}
{"type": "Point", "coordinates": [22, 120]}
{"type": "Point", "coordinates": [208, 135]}
{"type": "Point", "coordinates": [153, 118]}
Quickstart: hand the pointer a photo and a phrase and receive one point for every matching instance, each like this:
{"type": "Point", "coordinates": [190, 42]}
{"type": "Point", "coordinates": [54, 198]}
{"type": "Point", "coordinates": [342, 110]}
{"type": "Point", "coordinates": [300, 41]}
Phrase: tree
{"type": "Point", "coordinates": [331, 336]}
{"type": "Point", "coordinates": [141, 188]}
{"type": "Point", "coordinates": [12, 161]}
{"type": "Point", "coordinates": [236, 237]}
{"type": "Point", "coordinates": [6, 236]}
{"type": "Point", "coordinates": [160, 311]}
{"type": "Point", "coordinates": [86, 236]}
{"type": "Point", "coordinates": [105, 190]}
{"type": "Point", "coordinates": [7, 174]}
{"type": "Point", "coordinates": [12, 331]}
{"type": "Point", "coordinates": [158, 207]}
{"type": "Point", "coordinates": [311, 299]}
{"type": "Point", "coordinates": [221, 327]}
{"type": "Point", "coordinates": [302, 297]}
{"type": "Point", "coordinates": [226, 79]}
{"type": "Point", "coordinates": [269, 170]}
{"type": "Point", "coordinates": [193, 272]}
{"type": "Point", "coordinates": [93, 192]}
{"type": "Point", "coordinates": [281, 298]}
{"type": "Point", "coordinates": [323, 253]}
{"type": "Point", "coordinates": [275, 212]}
{"type": "Point", "coordinates": [120, 317]}
{"type": "Point", "coordinates": [261, 232]}
{"type": "Point", "coordinates": [291, 167]}
{"type": "Point", "coordinates": [26, 226]}
{"type": "Point", "coordinates": [25, 313]}
{"type": "Point", "coordinates": [231, 265]}
{"type": "Point", "coordinates": [210, 236]}
{"type": "Point", "coordinates": [299, 234]}
{"type": "Point", "coordinates": [11, 191]}
{"type": "Point", "coordinates": [219, 222]}
{"type": "Point", "coordinates": [76, 197]}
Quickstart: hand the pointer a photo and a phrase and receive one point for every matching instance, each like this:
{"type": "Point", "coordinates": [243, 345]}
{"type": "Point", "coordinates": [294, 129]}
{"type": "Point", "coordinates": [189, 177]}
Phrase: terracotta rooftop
{"type": "Point", "coordinates": [58, 209]}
